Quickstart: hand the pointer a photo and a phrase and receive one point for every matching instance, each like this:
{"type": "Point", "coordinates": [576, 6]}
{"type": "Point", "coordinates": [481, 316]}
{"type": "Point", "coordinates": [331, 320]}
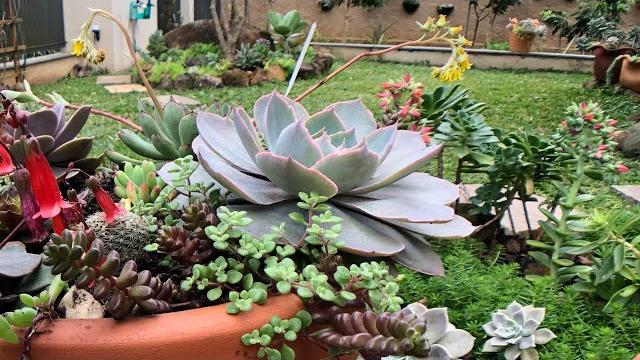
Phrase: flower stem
{"type": "Point", "coordinates": [106, 114]}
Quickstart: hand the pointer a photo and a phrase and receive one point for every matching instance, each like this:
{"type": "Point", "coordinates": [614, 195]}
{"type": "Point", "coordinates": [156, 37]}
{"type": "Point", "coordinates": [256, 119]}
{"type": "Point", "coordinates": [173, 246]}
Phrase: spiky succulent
{"type": "Point", "coordinates": [127, 234]}
{"type": "Point", "coordinates": [165, 137]}
{"type": "Point", "coordinates": [414, 332]}
{"type": "Point", "coordinates": [138, 183]}
{"type": "Point", "coordinates": [515, 330]}
{"type": "Point", "coordinates": [58, 138]}
{"type": "Point", "coordinates": [368, 174]}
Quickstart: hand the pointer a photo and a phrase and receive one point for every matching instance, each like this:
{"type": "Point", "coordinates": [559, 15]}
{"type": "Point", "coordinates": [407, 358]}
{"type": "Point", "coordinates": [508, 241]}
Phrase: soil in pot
{"type": "Point", "coordinates": [603, 59]}
{"type": "Point", "coordinates": [520, 43]}
{"type": "Point", "coordinates": [630, 75]}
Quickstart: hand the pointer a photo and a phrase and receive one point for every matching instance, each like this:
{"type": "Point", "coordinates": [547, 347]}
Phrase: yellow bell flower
{"type": "Point", "coordinates": [79, 47]}
{"type": "Point", "coordinates": [455, 30]}
{"type": "Point", "coordinates": [427, 26]}
{"type": "Point", "coordinates": [442, 21]}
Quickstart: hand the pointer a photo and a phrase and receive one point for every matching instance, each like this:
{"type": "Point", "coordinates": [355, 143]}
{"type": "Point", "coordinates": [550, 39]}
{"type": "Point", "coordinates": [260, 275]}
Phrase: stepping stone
{"type": "Point", "coordinates": [630, 193]}
{"type": "Point", "coordinates": [125, 88]}
{"type": "Point", "coordinates": [521, 229]}
{"type": "Point", "coordinates": [182, 100]}
{"type": "Point", "coordinates": [113, 79]}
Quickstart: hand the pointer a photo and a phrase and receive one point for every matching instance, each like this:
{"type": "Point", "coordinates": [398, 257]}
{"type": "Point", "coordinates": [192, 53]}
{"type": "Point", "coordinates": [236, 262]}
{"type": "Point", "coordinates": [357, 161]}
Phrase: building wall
{"type": "Point", "coordinates": [331, 24]}
{"type": "Point", "coordinates": [111, 39]}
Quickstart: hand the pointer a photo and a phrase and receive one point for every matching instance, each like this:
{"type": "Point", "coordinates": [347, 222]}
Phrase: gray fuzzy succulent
{"type": "Point", "coordinates": [515, 330]}
{"type": "Point", "coordinates": [127, 234]}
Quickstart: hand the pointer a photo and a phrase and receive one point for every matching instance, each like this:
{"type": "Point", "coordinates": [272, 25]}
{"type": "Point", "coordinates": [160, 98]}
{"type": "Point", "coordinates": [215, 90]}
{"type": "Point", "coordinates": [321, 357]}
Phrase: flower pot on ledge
{"type": "Point", "coordinates": [521, 43]}
{"type": "Point", "coordinates": [199, 334]}
{"type": "Point", "coordinates": [604, 58]}
{"type": "Point", "coordinates": [630, 75]}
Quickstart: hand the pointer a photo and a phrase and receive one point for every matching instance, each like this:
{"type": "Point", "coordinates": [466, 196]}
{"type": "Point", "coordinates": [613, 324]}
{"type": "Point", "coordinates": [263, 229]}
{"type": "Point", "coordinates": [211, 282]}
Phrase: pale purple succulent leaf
{"type": "Point", "coordinates": [299, 110]}
{"type": "Point", "coordinates": [17, 148]}
{"type": "Point", "coordinates": [418, 187]}
{"type": "Point", "coordinates": [197, 143]}
{"type": "Point", "coordinates": [326, 120]}
{"type": "Point", "coordinates": [360, 234]}
{"type": "Point", "coordinates": [58, 108]}
{"type": "Point", "coordinates": [348, 168]}
{"type": "Point", "coordinates": [295, 142]}
{"type": "Point", "coordinates": [381, 141]}
{"type": "Point", "coordinates": [293, 177]}
{"type": "Point", "coordinates": [325, 144]}
{"type": "Point", "coordinates": [221, 137]}
{"type": "Point", "coordinates": [272, 114]}
{"type": "Point", "coordinates": [405, 209]}
{"type": "Point", "coordinates": [407, 155]}
{"type": "Point", "coordinates": [457, 228]}
{"type": "Point", "coordinates": [458, 343]}
{"type": "Point", "coordinates": [355, 115]}
{"type": "Point", "coordinates": [246, 132]}
{"type": "Point", "coordinates": [43, 122]}
{"type": "Point", "coordinates": [419, 256]}
{"type": "Point", "coordinates": [73, 127]}
{"type": "Point", "coordinates": [344, 139]}
{"type": "Point", "coordinates": [77, 148]}
{"type": "Point", "coordinates": [245, 186]}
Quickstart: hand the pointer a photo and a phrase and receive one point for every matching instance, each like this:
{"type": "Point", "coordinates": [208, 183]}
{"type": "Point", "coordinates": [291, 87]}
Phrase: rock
{"type": "Point", "coordinates": [208, 81]}
{"type": "Point", "coordinates": [631, 193]}
{"type": "Point", "coordinates": [629, 141]}
{"type": "Point", "coordinates": [513, 246]}
{"type": "Point", "coordinates": [236, 77]}
{"type": "Point", "coordinates": [306, 71]}
{"type": "Point", "coordinates": [183, 82]}
{"type": "Point", "coordinates": [276, 73]}
{"type": "Point", "coordinates": [113, 79]}
{"type": "Point", "coordinates": [125, 88]}
{"type": "Point", "coordinates": [80, 304]}
{"type": "Point", "coordinates": [165, 83]}
{"type": "Point", "coordinates": [259, 76]}
{"type": "Point", "coordinates": [320, 64]}
{"type": "Point", "coordinates": [204, 31]}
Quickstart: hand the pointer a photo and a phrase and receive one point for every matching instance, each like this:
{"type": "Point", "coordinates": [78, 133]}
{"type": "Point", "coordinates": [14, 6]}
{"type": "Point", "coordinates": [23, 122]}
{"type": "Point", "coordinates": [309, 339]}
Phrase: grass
{"type": "Point", "coordinates": [531, 100]}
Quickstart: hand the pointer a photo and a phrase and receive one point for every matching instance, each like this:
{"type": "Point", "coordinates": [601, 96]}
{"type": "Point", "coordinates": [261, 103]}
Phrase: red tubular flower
{"type": "Point", "coordinates": [588, 117]}
{"type": "Point", "coordinates": [110, 209]}
{"type": "Point", "coordinates": [6, 165]}
{"type": "Point", "coordinates": [58, 224]}
{"type": "Point", "coordinates": [43, 182]}
{"type": "Point", "coordinates": [21, 180]}
{"type": "Point", "coordinates": [612, 122]}
{"type": "Point", "coordinates": [622, 169]}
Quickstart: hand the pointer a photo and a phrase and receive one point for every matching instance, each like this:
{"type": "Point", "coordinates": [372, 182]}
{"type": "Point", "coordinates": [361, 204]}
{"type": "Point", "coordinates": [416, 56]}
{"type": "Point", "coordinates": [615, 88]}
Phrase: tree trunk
{"type": "Point", "coordinates": [466, 26]}
{"type": "Point", "coordinates": [347, 20]}
{"type": "Point", "coordinates": [217, 23]}
{"type": "Point", "coordinates": [491, 27]}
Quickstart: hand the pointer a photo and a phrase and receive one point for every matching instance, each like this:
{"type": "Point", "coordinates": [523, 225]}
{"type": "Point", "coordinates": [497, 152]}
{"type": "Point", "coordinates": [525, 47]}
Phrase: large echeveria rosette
{"type": "Point", "coordinates": [368, 173]}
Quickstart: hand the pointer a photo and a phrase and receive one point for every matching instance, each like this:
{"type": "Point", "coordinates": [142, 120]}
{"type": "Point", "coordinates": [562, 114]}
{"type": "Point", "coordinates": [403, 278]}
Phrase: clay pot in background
{"type": "Point", "coordinates": [630, 75]}
{"type": "Point", "coordinates": [520, 43]}
{"type": "Point", "coordinates": [603, 59]}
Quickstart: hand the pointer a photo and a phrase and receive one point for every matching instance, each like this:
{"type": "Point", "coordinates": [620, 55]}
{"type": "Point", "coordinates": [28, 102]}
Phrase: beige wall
{"type": "Point", "coordinates": [76, 13]}
{"type": "Point", "coordinates": [330, 24]}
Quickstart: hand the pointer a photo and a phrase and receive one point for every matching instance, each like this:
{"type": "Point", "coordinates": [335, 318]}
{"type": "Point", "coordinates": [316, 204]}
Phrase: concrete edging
{"type": "Point", "coordinates": [481, 58]}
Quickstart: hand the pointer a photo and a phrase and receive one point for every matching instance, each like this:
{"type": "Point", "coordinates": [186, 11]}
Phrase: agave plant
{"type": "Point", "coordinates": [287, 26]}
{"type": "Point", "coordinates": [368, 174]}
{"type": "Point", "coordinates": [165, 137]}
{"type": "Point", "coordinates": [58, 138]}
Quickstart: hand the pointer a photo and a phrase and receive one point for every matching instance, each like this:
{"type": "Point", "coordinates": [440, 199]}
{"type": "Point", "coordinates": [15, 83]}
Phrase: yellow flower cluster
{"type": "Point", "coordinates": [458, 62]}
{"type": "Point", "coordinates": [83, 46]}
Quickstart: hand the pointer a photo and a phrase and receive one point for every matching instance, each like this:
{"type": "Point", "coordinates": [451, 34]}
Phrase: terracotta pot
{"type": "Point", "coordinates": [199, 334]}
{"type": "Point", "coordinates": [630, 75]}
{"type": "Point", "coordinates": [603, 59]}
{"type": "Point", "coordinates": [518, 43]}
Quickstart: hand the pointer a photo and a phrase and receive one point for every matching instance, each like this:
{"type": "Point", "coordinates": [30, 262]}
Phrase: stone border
{"type": "Point", "coordinates": [481, 58]}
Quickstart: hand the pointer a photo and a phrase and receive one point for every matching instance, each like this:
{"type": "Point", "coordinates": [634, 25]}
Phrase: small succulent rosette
{"type": "Point", "coordinates": [515, 330]}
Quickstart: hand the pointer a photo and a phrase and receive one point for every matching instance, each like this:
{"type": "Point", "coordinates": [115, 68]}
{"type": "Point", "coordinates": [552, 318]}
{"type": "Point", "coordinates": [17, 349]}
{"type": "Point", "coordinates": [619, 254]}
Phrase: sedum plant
{"type": "Point", "coordinates": [367, 174]}
{"type": "Point", "coordinates": [138, 183]}
{"type": "Point", "coordinates": [516, 331]}
{"type": "Point", "coordinates": [58, 138]}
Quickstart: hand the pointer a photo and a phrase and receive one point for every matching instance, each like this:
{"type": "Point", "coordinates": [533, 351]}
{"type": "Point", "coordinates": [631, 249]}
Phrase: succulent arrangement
{"type": "Point", "coordinates": [516, 331]}
{"type": "Point", "coordinates": [385, 201]}
{"type": "Point", "coordinates": [138, 183]}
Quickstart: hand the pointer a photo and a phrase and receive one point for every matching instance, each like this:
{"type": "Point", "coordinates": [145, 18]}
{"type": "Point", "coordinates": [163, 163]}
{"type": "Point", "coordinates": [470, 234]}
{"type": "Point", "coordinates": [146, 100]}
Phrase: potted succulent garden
{"type": "Point", "coordinates": [523, 33]}
{"type": "Point", "coordinates": [264, 248]}
{"type": "Point", "coordinates": [629, 71]}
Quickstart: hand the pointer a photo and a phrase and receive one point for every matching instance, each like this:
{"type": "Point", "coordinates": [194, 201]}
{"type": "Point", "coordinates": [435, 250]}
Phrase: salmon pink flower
{"type": "Point", "coordinates": [622, 169]}
{"type": "Point", "coordinates": [424, 133]}
{"type": "Point", "coordinates": [6, 164]}
{"type": "Point", "coordinates": [563, 123]}
{"type": "Point", "coordinates": [612, 122]}
{"type": "Point", "coordinates": [43, 182]}
{"type": "Point", "coordinates": [597, 126]}
{"type": "Point", "coordinates": [603, 147]}
{"type": "Point", "coordinates": [588, 117]}
{"type": "Point", "coordinates": [110, 209]}
{"type": "Point", "coordinates": [598, 154]}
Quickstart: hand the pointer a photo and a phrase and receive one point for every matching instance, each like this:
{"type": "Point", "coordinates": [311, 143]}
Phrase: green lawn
{"type": "Point", "coordinates": [474, 286]}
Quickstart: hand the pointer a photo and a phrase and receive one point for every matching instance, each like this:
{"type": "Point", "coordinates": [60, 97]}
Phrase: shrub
{"type": "Point", "coordinates": [170, 68]}
{"type": "Point", "coordinates": [201, 54]}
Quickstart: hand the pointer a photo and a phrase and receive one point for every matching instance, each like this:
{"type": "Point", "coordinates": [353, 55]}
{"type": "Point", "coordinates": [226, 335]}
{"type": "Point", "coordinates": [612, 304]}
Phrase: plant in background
{"type": "Point", "coordinates": [138, 183]}
{"type": "Point", "coordinates": [200, 54]}
{"type": "Point", "coordinates": [157, 45]}
{"type": "Point", "coordinates": [414, 332]}
{"type": "Point", "coordinates": [58, 138]}
{"type": "Point", "coordinates": [400, 101]}
{"type": "Point", "coordinates": [328, 146]}
{"type": "Point", "coordinates": [287, 28]}
{"type": "Point", "coordinates": [527, 27]}
{"type": "Point", "coordinates": [493, 9]}
{"type": "Point", "coordinates": [166, 69]}
{"type": "Point", "coordinates": [516, 331]}
{"type": "Point", "coordinates": [248, 57]}
{"type": "Point", "coordinates": [286, 62]}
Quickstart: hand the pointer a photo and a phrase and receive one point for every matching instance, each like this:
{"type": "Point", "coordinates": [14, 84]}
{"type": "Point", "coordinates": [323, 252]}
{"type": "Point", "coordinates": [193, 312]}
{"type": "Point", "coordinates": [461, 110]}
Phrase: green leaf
{"type": "Point", "coordinates": [541, 257]}
{"type": "Point", "coordinates": [287, 352]}
{"type": "Point", "coordinates": [214, 294]}
{"type": "Point", "coordinates": [563, 262]}
{"type": "Point", "coordinates": [6, 332]}
{"type": "Point", "coordinates": [284, 287]}
{"type": "Point", "coordinates": [539, 244]}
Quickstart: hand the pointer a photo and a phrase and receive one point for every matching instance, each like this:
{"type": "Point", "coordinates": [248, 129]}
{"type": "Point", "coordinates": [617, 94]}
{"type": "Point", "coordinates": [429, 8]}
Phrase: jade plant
{"type": "Point", "coordinates": [367, 173]}
{"type": "Point", "coordinates": [516, 332]}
